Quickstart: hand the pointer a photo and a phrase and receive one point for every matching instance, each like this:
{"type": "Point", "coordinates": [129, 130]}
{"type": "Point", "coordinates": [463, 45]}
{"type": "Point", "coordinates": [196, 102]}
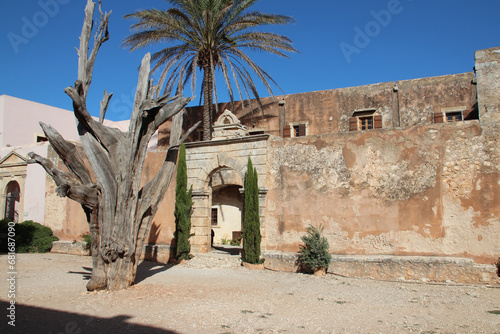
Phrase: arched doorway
{"type": "Point", "coordinates": [12, 201]}
{"type": "Point", "coordinates": [215, 165]}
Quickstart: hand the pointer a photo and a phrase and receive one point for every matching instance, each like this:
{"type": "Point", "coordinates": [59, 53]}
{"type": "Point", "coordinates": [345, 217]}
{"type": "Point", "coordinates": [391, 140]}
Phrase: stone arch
{"type": "Point", "coordinates": [221, 160]}
{"type": "Point", "coordinates": [13, 170]}
{"type": "Point", "coordinates": [12, 201]}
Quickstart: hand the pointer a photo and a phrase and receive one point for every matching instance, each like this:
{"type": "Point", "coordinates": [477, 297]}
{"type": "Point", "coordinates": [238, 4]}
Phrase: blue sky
{"type": "Point", "coordinates": [341, 44]}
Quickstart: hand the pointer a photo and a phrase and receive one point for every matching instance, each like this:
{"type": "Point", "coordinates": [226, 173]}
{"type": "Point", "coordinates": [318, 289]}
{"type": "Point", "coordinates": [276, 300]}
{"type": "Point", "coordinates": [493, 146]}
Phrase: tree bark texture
{"type": "Point", "coordinates": [207, 102]}
{"type": "Point", "coordinates": [119, 210]}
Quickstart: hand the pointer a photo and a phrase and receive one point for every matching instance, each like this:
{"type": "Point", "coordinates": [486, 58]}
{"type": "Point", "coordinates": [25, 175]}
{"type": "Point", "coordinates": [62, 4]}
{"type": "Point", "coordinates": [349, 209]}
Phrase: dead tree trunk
{"type": "Point", "coordinates": [119, 211]}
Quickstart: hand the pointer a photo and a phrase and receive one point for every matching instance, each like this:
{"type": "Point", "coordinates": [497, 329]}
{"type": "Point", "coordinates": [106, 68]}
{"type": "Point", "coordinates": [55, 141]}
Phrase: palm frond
{"type": "Point", "coordinates": [210, 35]}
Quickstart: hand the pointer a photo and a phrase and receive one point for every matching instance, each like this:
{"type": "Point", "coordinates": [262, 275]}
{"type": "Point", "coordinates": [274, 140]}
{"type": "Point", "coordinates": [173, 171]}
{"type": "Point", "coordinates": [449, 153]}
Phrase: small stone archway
{"type": "Point", "coordinates": [13, 172]}
{"type": "Point", "coordinates": [12, 201]}
{"type": "Point", "coordinates": [223, 159]}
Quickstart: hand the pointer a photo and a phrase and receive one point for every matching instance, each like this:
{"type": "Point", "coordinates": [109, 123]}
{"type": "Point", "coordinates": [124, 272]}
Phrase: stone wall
{"type": "Point", "coordinates": [402, 104]}
{"type": "Point", "coordinates": [396, 268]}
{"type": "Point", "coordinates": [419, 99]}
{"type": "Point", "coordinates": [163, 225]}
{"type": "Point", "coordinates": [416, 191]}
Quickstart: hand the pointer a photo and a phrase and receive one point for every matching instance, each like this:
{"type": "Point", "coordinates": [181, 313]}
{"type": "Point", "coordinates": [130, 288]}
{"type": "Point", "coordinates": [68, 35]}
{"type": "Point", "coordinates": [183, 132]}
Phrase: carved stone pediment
{"type": "Point", "coordinates": [228, 126]}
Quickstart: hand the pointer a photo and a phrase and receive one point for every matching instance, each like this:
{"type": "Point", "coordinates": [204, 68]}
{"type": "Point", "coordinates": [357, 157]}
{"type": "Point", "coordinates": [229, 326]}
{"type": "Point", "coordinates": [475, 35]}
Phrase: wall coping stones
{"type": "Point", "coordinates": [220, 142]}
{"type": "Point", "coordinates": [441, 269]}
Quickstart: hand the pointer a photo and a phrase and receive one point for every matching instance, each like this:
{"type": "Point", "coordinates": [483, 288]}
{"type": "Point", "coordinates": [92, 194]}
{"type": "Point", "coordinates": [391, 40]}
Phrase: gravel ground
{"type": "Point", "coordinates": [51, 298]}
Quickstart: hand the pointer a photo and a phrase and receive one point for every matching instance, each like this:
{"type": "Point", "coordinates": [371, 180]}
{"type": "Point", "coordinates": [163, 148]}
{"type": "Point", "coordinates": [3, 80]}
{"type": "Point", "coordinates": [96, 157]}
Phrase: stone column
{"type": "Point", "coordinates": [200, 222]}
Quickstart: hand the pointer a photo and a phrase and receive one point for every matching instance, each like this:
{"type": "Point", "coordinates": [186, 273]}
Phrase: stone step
{"type": "Point", "coordinates": [214, 260]}
{"type": "Point", "coordinates": [444, 269]}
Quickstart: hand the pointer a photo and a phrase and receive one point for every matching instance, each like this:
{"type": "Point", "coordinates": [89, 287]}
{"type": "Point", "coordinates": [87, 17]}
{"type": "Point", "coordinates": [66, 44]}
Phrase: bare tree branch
{"type": "Point", "coordinates": [67, 184]}
{"type": "Point", "coordinates": [104, 105]}
{"type": "Point", "coordinates": [68, 152]}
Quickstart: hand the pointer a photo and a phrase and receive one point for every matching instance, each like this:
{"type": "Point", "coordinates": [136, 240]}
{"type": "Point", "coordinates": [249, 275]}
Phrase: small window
{"type": "Point", "coordinates": [365, 123]}
{"type": "Point", "coordinates": [255, 132]}
{"type": "Point", "coordinates": [41, 139]}
{"type": "Point", "coordinates": [450, 115]}
{"type": "Point", "coordinates": [454, 116]}
{"type": "Point", "coordinates": [362, 120]}
{"type": "Point", "coordinates": [295, 130]}
{"type": "Point", "coordinates": [214, 216]}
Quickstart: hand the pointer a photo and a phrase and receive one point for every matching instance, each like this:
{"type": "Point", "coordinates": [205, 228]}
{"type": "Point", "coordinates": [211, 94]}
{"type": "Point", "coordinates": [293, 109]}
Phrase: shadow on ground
{"type": "Point", "coordinates": [232, 250]}
{"type": "Point", "coordinates": [149, 268]}
{"type": "Point", "coordinates": [30, 319]}
{"type": "Point", "coordinates": [144, 270]}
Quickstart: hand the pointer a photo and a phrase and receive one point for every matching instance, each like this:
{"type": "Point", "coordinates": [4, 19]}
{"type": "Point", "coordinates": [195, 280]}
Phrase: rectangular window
{"type": "Point", "coordinates": [256, 132]}
{"type": "Point", "coordinates": [366, 119]}
{"type": "Point", "coordinates": [41, 139]}
{"type": "Point", "coordinates": [366, 123]}
{"type": "Point", "coordinates": [296, 130]}
{"type": "Point", "coordinates": [454, 116]}
{"type": "Point", "coordinates": [450, 115]}
{"type": "Point", "coordinates": [214, 216]}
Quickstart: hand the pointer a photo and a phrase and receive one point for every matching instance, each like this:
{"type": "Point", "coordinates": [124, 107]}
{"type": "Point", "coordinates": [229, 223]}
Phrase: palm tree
{"type": "Point", "coordinates": [209, 35]}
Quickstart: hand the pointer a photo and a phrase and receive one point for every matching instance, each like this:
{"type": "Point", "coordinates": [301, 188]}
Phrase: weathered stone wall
{"type": "Point", "coordinates": [415, 191]}
{"type": "Point", "coordinates": [488, 83]}
{"type": "Point", "coordinates": [391, 267]}
{"type": "Point", "coordinates": [419, 99]}
{"type": "Point", "coordinates": [163, 225]}
{"type": "Point", "coordinates": [402, 104]}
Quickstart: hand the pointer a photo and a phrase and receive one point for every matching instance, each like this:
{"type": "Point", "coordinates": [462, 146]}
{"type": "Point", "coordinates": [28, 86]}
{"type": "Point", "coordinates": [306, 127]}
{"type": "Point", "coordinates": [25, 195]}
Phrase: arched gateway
{"type": "Point", "coordinates": [216, 169]}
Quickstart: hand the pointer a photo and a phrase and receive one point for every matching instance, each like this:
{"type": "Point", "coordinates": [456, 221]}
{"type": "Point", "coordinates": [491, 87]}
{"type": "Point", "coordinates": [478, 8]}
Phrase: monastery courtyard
{"type": "Point", "coordinates": [187, 298]}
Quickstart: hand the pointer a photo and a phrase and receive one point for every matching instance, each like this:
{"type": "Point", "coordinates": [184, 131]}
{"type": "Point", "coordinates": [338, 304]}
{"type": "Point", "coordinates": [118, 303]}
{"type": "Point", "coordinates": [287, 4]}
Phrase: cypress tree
{"type": "Point", "coordinates": [251, 219]}
{"type": "Point", "coordinates": [183, 206]}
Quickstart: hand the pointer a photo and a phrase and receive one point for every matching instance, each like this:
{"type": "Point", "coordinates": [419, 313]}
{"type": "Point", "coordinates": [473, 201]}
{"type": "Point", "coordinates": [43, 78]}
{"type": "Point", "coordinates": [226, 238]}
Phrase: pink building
{"type": "Point", "coordinates": [22, 185]}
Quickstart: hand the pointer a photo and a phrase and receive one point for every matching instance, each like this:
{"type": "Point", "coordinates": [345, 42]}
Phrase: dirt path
{"type": "Point", "coordinates": [51, 298]}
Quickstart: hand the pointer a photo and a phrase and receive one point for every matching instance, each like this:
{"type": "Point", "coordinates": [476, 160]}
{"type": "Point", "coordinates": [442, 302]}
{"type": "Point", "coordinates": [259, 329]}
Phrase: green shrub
{"type": "Point", "coordinates": [314, 253]}
{"type": "Point", "coordinates": [251, 219]}
{"type": "Point", "coordinates": [225, 240]}
{"type": "Point", "coordinates": [235, 242]}
{"type": "Point", "coordinates": [87, 239]}
{"type": "Point", "coordinates": [183, 210]}
{"type": "Point", "coordinates": [31, 237]}
{"type": "Point", "coordinates": [4, 228]}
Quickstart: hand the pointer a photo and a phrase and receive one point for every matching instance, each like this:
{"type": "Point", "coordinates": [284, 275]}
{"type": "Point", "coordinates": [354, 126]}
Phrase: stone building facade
{"type": "Point", "coordinates": [405, 172]}
{"type": "Point", "coordinates": [406, 168]}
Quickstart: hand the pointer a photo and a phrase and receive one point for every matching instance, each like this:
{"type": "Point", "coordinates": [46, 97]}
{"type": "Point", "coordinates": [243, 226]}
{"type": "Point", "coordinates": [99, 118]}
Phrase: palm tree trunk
{"type": "Point", "coordinates": [207, 102]}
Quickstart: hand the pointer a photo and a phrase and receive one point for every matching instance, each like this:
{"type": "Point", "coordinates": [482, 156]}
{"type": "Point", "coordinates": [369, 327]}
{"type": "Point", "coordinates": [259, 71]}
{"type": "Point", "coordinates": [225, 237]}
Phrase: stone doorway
{"type": "Point", "coordinates": [12, 201]}
{"type": "Point", "coordinates": [216, 170]}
